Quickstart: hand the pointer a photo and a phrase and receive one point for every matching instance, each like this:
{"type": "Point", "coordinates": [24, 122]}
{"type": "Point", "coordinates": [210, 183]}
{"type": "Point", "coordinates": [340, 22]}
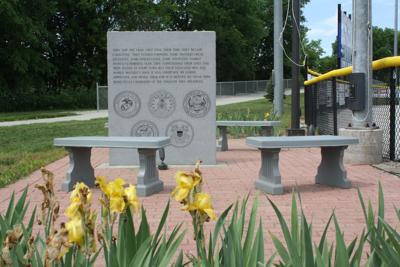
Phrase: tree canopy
{"type": "Point", "coordinates": [47, 46]}
{"type": "Point", "coordinates": [382, 46]}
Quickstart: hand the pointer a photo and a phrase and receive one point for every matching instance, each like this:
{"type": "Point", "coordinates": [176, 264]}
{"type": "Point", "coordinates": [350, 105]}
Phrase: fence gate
{"type": "Point", "coordinates": [327, 110]}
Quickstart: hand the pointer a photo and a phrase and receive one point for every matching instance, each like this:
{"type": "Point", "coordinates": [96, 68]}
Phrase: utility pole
{"type": "Point", "coordinates": [396, 7]}
{"type": "Point", "coordinates": [295, 123]}
{"type": "Point", "coordinates": [362, 57]}
{"type": "Point", "coordinates": [278, 59]}
{"type": "Point", "coordinates": [369, 148]}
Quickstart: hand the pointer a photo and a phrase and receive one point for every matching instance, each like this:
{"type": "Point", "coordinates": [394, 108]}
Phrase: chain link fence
{"type": "Point", "coordinates": [222, 88]}
{"type": "Point", "coordinates": [246, 87]}
{"type": "Point", "coordinates": [327, 109]}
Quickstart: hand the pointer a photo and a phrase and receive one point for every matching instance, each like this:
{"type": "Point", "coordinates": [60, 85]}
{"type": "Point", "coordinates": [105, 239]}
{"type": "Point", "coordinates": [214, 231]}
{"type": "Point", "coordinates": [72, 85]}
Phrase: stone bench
{"type": "Point", "coordinates": [266, 128]}
{"type": "Point", "coordinates": [81, 170]}
{"type": "Point", "coordinates": [331, 170]}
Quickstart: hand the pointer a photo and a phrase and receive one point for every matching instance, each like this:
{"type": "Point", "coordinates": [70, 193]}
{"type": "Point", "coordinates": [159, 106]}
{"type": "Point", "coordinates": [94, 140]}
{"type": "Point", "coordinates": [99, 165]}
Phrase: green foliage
{"type": "Point", "coordinates": [50, 47]}
{"type": "Point", "coordinates": [384, 239]}
{"type": "Point", "coordinates": [264, 50]}
{"type": "Point", "coordinates": [300, 249]}
{"type": "Point", "coordinates": [236, 240]}
{"type": "Point", "coordinates": [131, 248]}
{"type": "Point", "coordinates": [141, 248]}
{"type": "Point", "coordinates": [241, 241]}
{"type": "Point", "coordinates": [382, 47]}
{"type": "Point", "coordinates": [314, 52]}
{"type": "Point", "coordinates": [12, 225]}
{"type": "Point", "coordinates": [25, 36]}
{"type": "Point", "coordinates": [255, 110]}
{"type": "Point", "coordinates": [238, 25]}
{"type": "Point", "coordinates": [65, 99]}
{"type": "Point", "coordinates": [242, 116]}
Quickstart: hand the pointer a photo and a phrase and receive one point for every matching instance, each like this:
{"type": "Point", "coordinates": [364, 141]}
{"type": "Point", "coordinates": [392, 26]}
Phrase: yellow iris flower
{"type": "Point", "coordinates": [73, 210]}
{"type": "Point", "coordinates": [117, 204]}
{"type": "Point", "coordinates": [131, 197]}
{"type": "Point", "coordinates": [102, 183]}
{"type": "Point", "coordinates": [116, 188]}
{"type": "Point", "coordinates": [75, 230]}
{"type": "Point", "coordinates": [185, 182]}
{"type": "Point", "coordinates": [119, 197]}
{"type": "Point", "coordinates": [202, 202]}
{"type": "Point", "coordinates": [76, 193]}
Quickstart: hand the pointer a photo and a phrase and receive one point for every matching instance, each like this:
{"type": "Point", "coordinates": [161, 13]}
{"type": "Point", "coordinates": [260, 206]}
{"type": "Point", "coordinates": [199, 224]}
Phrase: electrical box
{"type": "Point", "coordinates": [356, 99]}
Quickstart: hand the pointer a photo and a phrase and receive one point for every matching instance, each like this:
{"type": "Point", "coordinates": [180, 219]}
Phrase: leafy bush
{"type": "Point", "coordinates": [65, 99]}
{"type": "Point", "coordinates": [238, 131]}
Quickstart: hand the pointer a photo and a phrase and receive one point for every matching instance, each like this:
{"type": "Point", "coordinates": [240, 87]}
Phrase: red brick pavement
{"type": "Point", "coordinates": [233, 179]}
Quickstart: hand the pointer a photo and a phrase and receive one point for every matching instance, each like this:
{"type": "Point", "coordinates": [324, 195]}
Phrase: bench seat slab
{"type": "Point", "coordinates": [331, 170]}
{"type": "Point", "coordinates": [80, 169]}
{"type": "Point", "coordinates": [266, 130]}
{"type": "Point", "coordinates": [269, 179]}
{"type": "Point", "coordinates": [148, 181]}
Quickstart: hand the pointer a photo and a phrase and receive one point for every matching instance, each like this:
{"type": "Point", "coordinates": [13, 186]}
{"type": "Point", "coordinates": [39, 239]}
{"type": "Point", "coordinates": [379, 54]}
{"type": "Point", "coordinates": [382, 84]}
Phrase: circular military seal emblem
{"type": "Point", "coordinates": [180, 132]}
{"type": "Point", "coordinates": [197, 104]}
{"type": "Point", "coordinates": [127, 104]}
{"type": "Point", "coordinates": [162, 104]}
{"type": "Point", "coordinates": [144, 128]}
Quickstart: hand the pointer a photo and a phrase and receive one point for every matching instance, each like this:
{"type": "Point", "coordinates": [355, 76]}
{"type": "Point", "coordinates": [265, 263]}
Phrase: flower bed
{"type": "Point", "coordinates": [237, 241]}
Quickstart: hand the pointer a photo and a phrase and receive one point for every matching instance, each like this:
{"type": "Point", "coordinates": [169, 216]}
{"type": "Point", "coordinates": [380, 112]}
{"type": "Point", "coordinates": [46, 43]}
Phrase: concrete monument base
{"type": "Point", "coordinates": [369, 148]}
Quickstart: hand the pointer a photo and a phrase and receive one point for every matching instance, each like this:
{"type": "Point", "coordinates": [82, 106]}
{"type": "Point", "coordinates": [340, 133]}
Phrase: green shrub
{"type": "Point", "coordinates": [237, 131]}
{"type": "Point", "coordinates": [82, 98]}
{"type": "Point", "coordinates": [269, 92]}
{"type": "Point", "coordinates": [300, 250]}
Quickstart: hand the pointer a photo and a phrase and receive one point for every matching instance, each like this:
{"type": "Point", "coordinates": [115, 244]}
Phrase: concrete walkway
{"type": "Point", "coordinates": [88, 115]}
{"type": "Point", "coordinates": [233, 180]}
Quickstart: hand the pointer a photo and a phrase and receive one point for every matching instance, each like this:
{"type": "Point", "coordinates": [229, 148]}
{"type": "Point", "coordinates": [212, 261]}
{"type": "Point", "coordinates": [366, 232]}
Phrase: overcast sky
{"type": "Point", "coordinates": [321, 16]}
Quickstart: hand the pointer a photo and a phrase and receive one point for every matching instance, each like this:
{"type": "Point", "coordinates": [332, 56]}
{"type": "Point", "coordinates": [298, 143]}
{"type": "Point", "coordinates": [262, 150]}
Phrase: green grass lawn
{"type": "Point", "coordinates": [254, 110]}
{"type": "Point", "coordinates": [30, 115]}
{"type": "Point", "coordinates": [25, 148]}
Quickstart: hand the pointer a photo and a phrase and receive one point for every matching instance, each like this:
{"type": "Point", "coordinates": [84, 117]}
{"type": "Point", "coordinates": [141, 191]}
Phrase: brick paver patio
{"type": "Point", "coordinates": [233, 178]}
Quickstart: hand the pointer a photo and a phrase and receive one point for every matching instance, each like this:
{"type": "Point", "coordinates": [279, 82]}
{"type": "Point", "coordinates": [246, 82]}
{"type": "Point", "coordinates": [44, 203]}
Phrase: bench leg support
{"type": "Point", "coordinates": [331, 171]}
{"type": "Point", "coordinates": [148, 181]}
{"type": "Point", "coordinates": [269, 179]}
{"type": "Point", "coordinates": [223, 140]}
{"type": "Point", "coordinates": [267, 130]}
{"type": "Point", "coordinates": [80, 168]}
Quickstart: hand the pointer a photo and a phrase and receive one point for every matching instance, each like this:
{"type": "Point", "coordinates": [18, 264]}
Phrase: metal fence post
{"type": "Point", "coordinates": [392, 129]}
{"type": "Point", "coordinates": [97, 97]}
{"type": "Point", "coordinates": [314, 108]}
{"type": "Point", "coordinates": [334, 107]}
{"type": "Point", "coordinates": [307, 108]}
